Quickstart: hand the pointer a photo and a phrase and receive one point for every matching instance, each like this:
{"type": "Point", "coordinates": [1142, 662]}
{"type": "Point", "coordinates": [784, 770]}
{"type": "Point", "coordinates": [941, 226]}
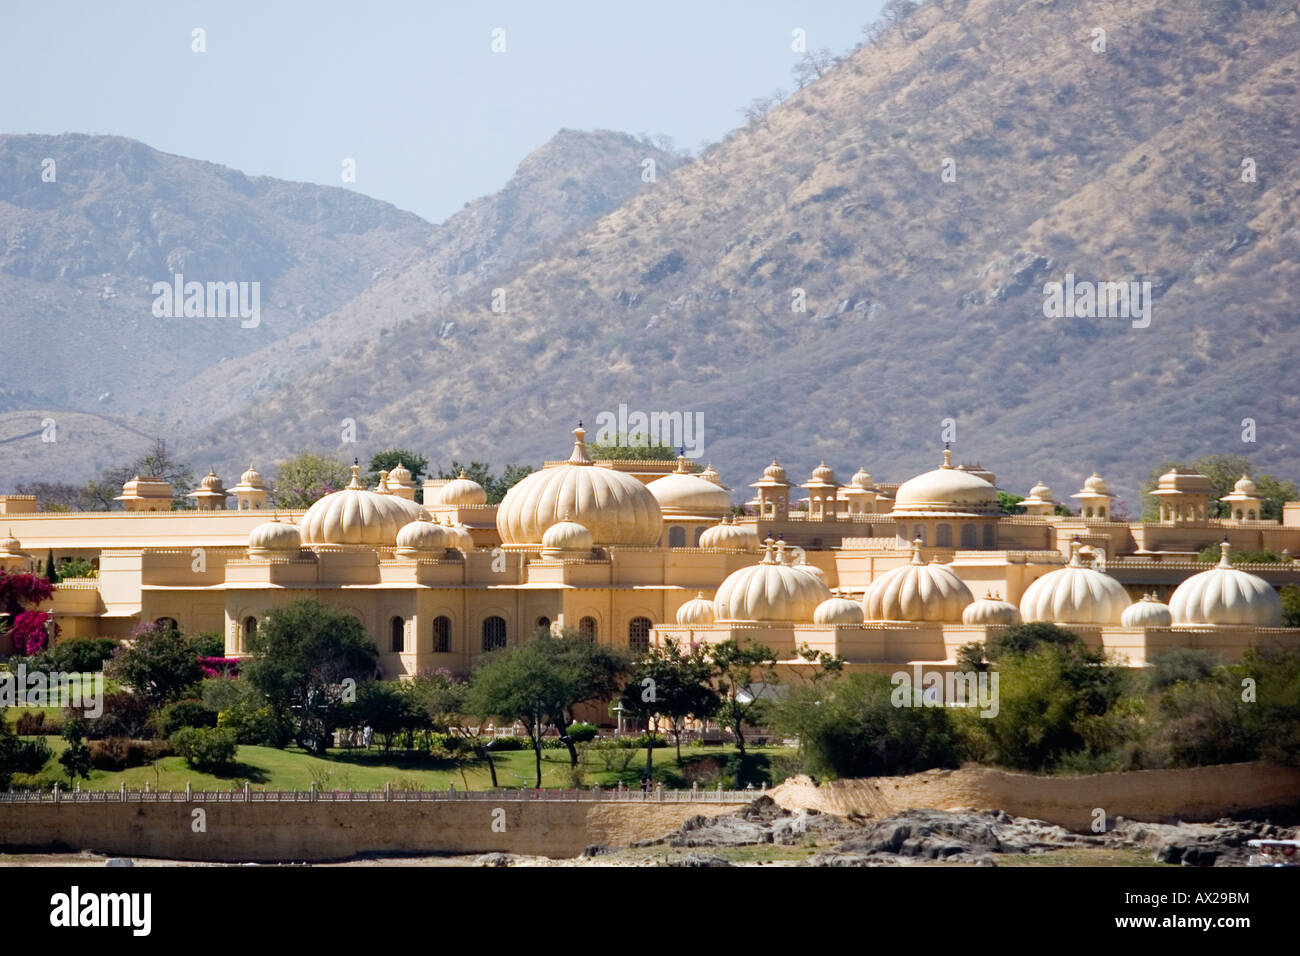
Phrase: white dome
{"type": "Point", "coordinates": [697, 612]}
{"type": "Point", "coordinates": [612, 505]}
{"type": "Point", "coordinates": [769, 591]}
{"type": "Point", "coordinates": [11, 545]}
{"type": "Point", "coordinates": [566, 535]}
{"type": "Point", "coordinates": [991, 610]}
{"type": "Point", "coordinates": [917, 592]}
{"type": "Point", "coordinates": [251, 478]}
{"type": "Point", "coordinates": [729, 536]}
{"type": "Point", "coordinates": [1147, 612]}
{"type": "Point", "coordinates": [462, 491]}
{"type": "Point", "coordinates": [1244, 487]}
{"type": "Point", "coordinates": [711, 474]}
{"type": "Point", "coordinates": [1040, 492]}
{"type": "Point", "coordinates": [1225, 595]}
{"type": "Point", "coordinates": [812, 569]}
{"type": "Point", "coordinates": [274, 535]}
{"type": "Point", "coordinates": [357, 516]}
{"type": "Point", "coordinates": [1074, 595]}
{"type": "Point", "coordinates": [685, 493]}
{"type": "Point", "coordinates": [458, 536]}
{"type": "Point", "coordinates": [946, 490]}
{"type": "Point", "coordinates": [1096, 484]}
{"type": "Point", "coordinates": [422, 535]}
{"type": "Point", "coordinates": [862, 478]}
{"type": "Point", "coordinates": [838, 610]}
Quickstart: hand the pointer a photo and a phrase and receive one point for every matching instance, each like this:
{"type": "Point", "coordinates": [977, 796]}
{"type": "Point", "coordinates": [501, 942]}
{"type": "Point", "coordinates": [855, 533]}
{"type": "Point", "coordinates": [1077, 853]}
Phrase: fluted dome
{"type": "Point", "coordinates": [210, 481]}
{"type": "Point", "coordinates": [769, 591]}
{"type": "Point", "coordinates": [812, 569]}
{"type": "Point", "coordinates": [774, 472]}
{"type": "Point", "coordinates": [11, 545]}
{"type": "Point", "coordinates": [357, 516]}
{"type": "Point", "coordinates": [1074, 595]}
{"type": "Point", "coordinates": [862, 478]}
{"type": "Point", "coordinates": [567, 536]}
{"type": "Point", "coordinates": [1226, 595]}
{"type": "Point", "coordinates": [991, 610]}
{"type": "Point", "coordinates": [729, 536]}
{"type": "Point", "coordinates": [612, 505]}
{"type": "Point", "coordinates": [1244, 487]}
{"type": "Point", "coordinates": [458, 536]}
{"type": "Point", "coordinates": [1147, 612]}
{"type": "Point", "coordinates": [422, 535]}
{"type": "Point", "coordinates": [462, 491]}
{"type": "Point", "coordinates": [697, 612]}
{"type": "Point", "coordinates": [1041, 492]}
{"type": "Point", "coordinates": [400, 475]}
{"type": "Point", "coordinates": [917, 592]}
{"type": "Point", "coordinates": [251, 478]}
{"type": "Point", "coordinates": [946, 490]}
{"type": "Point", "coordinates": [685, 493]}
{"type": "Point", "coordinates": [1096, 484]}
{"type": "Point", "coordinates": [711, 474]}
{"type": "Point", "coordinates": [837, 609]}
{"type": "Point", "coordinates": [824, 473]}
{"type": "Point", "coordinates": [274, 535]}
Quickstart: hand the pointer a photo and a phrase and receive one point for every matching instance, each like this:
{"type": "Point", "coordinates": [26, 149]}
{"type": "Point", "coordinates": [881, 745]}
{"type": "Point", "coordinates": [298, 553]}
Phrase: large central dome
{"type": "Point", "coordinates": [612, 505]}
{"type": "Point", "coordinates": [357, 516]}
{"type": "Point", "coordinates": [946, 490]}
{"type": "Point", "coordinates": [769, 591]}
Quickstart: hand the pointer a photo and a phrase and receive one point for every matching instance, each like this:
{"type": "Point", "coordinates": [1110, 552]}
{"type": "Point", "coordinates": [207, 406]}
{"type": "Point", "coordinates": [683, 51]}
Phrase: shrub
{"type": "Point", "coordinates": [183, 713]}
{"type": "Point", "coordinates": [256, 726]}
{"type": "Point", "coordinates": [75, 655]}
{"type": "Point", "coordinates": [508, 743]}
{"type": "Point", "coordinates": [125, 715]}
{"type": "Point", "coordinates": [581, 733]}
{"type": "Point", "coordinates": [1185, 664]}
{"type": "Point", "coordinates": [206, 749]}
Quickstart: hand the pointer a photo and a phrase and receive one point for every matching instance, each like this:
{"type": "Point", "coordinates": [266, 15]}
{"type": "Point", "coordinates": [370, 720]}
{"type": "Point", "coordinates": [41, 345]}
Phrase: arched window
{"type": "Point", "coordinates": [990, 537]}
{"type": "Point", "coordinates": [442, 635]}
{"type": "Point", "coordinates": [943, 536]}
{"type": "Point", "coordinates": [676, 537]}
{"type": "Point", "coordinates": [494, 633]}
{"type": "Point", "coordinates": [698, 532]}
{"type": "Point", "coordinates": [543, 625]}
{"type": "Point", "coordinates": [587, 628]}
{"type": "Point", "coordinates": [168, 623]}
{"type": "Point", "coordinates": [250, 629]}
{"type": "Point", "coordinates": [918, 531]}
{"type": "Point", "coordinates": [397, 635]}
{"type": "Point", "coordinates": [638, 635]}
{"type": "Point", "coordinates": [1101, 512]}
{"type": "Point", "coordinates": [969, 536]}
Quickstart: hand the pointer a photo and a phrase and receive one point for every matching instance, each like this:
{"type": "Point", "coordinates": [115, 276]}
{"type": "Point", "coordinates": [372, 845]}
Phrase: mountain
{"type": "Point", "coordinates": [79, 256]}
{"type": "Point", "coordinates": [572, 179]}
{"type": "Point", "coordinates": [1110, 162]}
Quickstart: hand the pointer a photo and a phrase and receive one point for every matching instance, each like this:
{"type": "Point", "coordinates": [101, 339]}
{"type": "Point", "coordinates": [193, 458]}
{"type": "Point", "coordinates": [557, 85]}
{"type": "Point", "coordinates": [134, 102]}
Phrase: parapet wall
{"type": "Point", "coordinates": [1192, 794]}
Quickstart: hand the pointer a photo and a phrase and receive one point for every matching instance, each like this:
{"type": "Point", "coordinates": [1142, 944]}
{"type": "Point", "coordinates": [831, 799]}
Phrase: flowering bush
{"type": "Point", "coordinates": [18, 592]}
{"type": "Point", "coordinates": [29, 634]}
{"type": "Point", "coordinates": [219, 666]}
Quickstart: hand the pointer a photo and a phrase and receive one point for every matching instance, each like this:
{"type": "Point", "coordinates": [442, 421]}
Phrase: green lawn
{"type": "Point", "coordinates": [290, 769]}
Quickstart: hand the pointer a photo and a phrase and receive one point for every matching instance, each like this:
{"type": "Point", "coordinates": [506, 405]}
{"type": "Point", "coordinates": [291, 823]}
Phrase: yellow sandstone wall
{"type": "Point", "coordinates": [331, 831]}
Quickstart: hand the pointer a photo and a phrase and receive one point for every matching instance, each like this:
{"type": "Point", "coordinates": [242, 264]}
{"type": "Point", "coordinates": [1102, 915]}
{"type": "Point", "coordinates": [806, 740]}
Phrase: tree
{"type": "Point", "coordinates": [51, 572]}
{"type": "Point", "coordinates": [160, 663]}
{"type": "Point", "coordinates": [672, 684]}
{"type": "Point", "coordinates": [633, 447]}
{"type": "Point", "coordinates": [307, 660]}
{"type": "Point", "coordinates": [76, 568]}
{"type": "Point", "coordinates": [383, 707]}
{"type": "Point", "coordinates": [157, 462]}
{"type": "Point", "coordinates": [739, 670]}
{"type": "Point", "coordinates": [592, 672]}
{"type": "Point", "coordinates": [18, 593]}
{"type": "Point", "coordinates": [388, 460]}
{"type": "Point", "coordinates": [76, 758]}
{"type": "Point", "coordinates": [520, 683]}
{"type": "Point", "coordinates": [1290, 595]}
{"type": "Point", "coordinates": [1010, 504]}
{"type": "Point", "coordinates": [849, 726]}
{"type": "Point", "coordinates": [303, 479]}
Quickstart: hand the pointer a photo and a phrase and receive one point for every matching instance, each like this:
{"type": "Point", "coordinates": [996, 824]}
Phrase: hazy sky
{"type": "Point", "coordinates": [412, 91]}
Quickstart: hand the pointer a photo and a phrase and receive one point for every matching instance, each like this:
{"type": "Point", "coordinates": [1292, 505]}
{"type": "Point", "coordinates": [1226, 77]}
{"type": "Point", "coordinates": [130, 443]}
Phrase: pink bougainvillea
{"type": "Point", "coordinates": [29, 634]}
{"type": "Point", "coordinates": [219, 666]}
{"type": "Point", "coordinates": [18, 592]}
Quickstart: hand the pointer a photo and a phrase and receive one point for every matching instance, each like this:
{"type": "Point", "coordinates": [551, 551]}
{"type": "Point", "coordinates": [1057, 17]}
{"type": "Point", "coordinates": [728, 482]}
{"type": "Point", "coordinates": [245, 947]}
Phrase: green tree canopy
{"type": "Point", "coordinates": [160, 664]}
{"type": "Point", "coordinates": [634, 447]}
{"type": "Point", "coordinates": [672, 684]}
{"type": "Point", "coordinates": [307, 477]}
{"type": "Point", "coordinates": [307, 660]}
{"type": "Point", "coordinates": [414, 462]}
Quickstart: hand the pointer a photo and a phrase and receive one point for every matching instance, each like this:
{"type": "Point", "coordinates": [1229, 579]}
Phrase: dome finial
{"type": "Point", "coordinates": [580, 456]}
{"type": "Point", "coordinates": [947, 456]}
{"type": "Point", "coordinates": [355, 483]}
{"type": "Point", "coordinates": [1074, 552]}
{"type": "Point", "coordinates": [1225, 549]}
{"type": "Point", "coordinates": [767, 550]}
{"type": "Point", "coordinates": [682, 467]}
{"type": "Point", "coordinates": [916, 550]}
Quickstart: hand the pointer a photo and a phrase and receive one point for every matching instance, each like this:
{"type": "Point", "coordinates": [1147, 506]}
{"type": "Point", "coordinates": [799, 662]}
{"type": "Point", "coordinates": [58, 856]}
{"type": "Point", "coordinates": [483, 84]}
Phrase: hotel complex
{"type": "Point", "coordinates": [634, 552]}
